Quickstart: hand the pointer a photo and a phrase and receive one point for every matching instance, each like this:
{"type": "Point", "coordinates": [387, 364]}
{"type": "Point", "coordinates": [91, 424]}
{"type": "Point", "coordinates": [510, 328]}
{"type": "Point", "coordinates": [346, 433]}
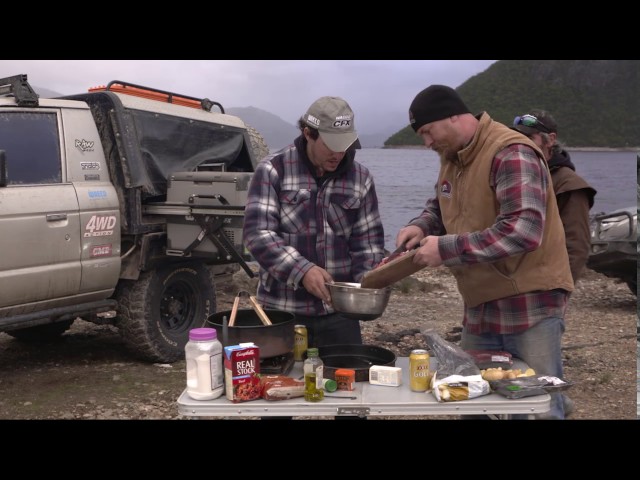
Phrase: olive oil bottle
{"type": "Point", "coordinates": [313, 368]}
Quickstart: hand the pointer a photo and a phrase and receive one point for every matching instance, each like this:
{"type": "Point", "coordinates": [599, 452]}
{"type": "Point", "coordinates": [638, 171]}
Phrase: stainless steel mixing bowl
{"type": "Point", "coordinates": [352, 301]}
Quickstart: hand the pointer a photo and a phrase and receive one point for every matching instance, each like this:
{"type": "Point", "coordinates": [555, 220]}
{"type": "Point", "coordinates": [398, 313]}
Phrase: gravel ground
{"type": "Point", "coordinates": [89, 374]}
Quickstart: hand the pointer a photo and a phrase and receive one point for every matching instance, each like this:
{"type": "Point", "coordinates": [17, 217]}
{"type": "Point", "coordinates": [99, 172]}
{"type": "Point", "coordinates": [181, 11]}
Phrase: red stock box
{"type": "Point", "coordinates": [242, 372]}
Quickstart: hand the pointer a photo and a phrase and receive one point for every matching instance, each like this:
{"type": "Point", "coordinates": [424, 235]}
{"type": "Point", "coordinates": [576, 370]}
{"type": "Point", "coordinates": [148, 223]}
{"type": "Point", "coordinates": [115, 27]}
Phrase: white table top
{"type": "Point", "coordinates": [370, 400]}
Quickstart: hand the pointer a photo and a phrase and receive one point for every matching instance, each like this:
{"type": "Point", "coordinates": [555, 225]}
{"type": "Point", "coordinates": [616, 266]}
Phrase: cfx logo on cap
{"type": "Point", "coordinates": [342, 121]}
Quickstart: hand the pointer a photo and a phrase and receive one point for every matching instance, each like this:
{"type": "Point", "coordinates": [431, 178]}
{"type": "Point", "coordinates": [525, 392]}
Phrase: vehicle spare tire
{"type": "Point", "coordinates": [156, 312]}
{"type": "Point", "coordinates": [259, 146]}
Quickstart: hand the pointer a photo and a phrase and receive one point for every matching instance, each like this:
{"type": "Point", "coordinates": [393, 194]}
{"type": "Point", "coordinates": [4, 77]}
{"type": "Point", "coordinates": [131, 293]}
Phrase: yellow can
{"type": "Point", "coordinates": [419, 377]}
{"type": "Point", "coordinates": [300, 343]}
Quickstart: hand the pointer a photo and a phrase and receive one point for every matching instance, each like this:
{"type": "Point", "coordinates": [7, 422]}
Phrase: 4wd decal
{"type": "Point", "coordinates": [100, 226]}
{"type": "Point", "coordinates": [101, 251]}
{"type": "Point", "coordinates": [84, 145]}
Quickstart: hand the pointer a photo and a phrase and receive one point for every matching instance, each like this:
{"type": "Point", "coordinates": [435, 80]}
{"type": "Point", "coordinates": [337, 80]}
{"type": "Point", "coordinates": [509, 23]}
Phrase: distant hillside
{"type": "Point", "coordinates": [595, 102]}
{"type": "Point", "coordinates": [45, 93]}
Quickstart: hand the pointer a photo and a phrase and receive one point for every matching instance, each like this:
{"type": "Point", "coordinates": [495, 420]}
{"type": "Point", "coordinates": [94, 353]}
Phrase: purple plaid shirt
{"type": "Point", "coordinates": [294, 220]}
{"type": "Point", "coordinates": [517, 229]}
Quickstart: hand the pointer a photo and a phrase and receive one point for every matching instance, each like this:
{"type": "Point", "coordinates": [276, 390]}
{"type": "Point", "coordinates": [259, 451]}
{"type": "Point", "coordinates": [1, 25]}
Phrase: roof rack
{"type": "Point", "coordinates": [160, 95]}
{"type": "Point", "coordinates": [19, 86]}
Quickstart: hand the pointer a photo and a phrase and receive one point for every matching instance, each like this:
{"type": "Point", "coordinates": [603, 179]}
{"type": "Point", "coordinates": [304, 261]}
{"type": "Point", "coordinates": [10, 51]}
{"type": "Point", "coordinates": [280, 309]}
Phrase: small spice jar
{"type": "Point", "coordinates": [345, 378]}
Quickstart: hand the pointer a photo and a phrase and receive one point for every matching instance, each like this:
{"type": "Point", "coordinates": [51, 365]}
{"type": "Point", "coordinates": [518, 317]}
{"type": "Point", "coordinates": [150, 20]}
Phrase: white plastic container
{"type": "Point", "coordinates": [384, 375]}
{"type": "Point", "coordinates": [205, 372]}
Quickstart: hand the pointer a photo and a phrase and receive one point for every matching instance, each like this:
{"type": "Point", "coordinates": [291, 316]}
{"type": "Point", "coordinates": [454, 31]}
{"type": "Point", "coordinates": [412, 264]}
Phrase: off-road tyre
{"type": "Point", "coordinates": [156, 312]}
{"type": "Point", "coordinates": [41, 333]}
{"type": "Point", "coordinates": [259, 146]}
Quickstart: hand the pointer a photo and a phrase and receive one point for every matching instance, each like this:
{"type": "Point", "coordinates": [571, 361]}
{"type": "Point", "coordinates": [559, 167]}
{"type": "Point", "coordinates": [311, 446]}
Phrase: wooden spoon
{"type": "Point", "coordinates": [234, 310]}
{"type": "Point", "coordinates": [261, 313]}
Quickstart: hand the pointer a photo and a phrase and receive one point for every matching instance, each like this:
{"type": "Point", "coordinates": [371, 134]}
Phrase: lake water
{"type": "Point", "coordinates": [405, 179]}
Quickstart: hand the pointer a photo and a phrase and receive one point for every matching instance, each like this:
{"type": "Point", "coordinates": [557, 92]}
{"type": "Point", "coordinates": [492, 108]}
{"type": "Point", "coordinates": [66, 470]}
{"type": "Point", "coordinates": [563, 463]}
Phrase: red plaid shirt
{"type": "Point", "coordinates": [519, 225]}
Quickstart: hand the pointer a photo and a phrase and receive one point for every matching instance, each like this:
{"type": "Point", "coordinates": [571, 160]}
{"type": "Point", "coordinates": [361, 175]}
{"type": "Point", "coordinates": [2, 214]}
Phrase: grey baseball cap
{"type": "Point", "coordinates": [333, 118]}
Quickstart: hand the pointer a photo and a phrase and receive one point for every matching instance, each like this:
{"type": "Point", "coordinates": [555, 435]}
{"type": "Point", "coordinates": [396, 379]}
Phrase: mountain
{"type": "Point", "coordinates": [45, 93]}
{"type": "Point", "coordinates": [595, 102]}
{"type": "Point", "coordinates": [373, 140]}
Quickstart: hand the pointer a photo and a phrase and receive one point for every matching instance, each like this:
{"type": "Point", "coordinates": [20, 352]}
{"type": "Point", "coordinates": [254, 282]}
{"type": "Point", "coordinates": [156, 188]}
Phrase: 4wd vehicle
{"type": "Point", "coordinates": [614, 244]}
{"type": "Point", "coordinates": [123, 199]}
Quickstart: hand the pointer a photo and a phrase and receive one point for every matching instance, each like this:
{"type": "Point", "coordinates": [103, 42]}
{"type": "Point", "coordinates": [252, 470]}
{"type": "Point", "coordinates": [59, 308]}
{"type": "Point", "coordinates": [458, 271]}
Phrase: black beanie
{"type": "Point", "coordinates": [435, 103]}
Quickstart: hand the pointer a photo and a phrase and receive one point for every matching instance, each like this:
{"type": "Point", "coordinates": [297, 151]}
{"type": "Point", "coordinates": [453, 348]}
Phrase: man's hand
{"type": "Point", "coordinates": [428, 254]}
{"type": "Point", "coordinates": [409, 236]}
{"type": "Point", "coordinates": [314, 283]}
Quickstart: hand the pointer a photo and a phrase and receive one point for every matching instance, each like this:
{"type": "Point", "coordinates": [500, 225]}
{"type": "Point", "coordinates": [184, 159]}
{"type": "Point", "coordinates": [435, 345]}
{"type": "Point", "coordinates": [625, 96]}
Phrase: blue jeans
{"type": "Point", "coordinates": [540, 347]}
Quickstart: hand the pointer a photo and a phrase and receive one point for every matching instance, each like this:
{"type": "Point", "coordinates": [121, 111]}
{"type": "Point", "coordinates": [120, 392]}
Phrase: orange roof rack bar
{"type": "Point", "coordinates": [158, 95]}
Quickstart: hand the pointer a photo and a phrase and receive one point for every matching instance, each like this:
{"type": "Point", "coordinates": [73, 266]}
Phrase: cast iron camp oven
{"type": "Point", "coordinates": [273, 340]}
{"type": "Point", "coordinates": [356, 357]}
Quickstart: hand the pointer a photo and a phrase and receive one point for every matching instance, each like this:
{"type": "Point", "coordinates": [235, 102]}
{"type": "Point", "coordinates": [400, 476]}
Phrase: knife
{"type": "Point", "coordinates": [398, 251]}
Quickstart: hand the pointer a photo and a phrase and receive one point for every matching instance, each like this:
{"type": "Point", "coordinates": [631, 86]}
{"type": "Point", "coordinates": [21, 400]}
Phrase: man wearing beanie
{"type": "Point", "coordinates": [312, 217]}
{"type": "Point", "coordinates": [494, 221]}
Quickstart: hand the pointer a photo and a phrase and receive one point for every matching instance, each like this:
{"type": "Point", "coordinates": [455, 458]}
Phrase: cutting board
{"type": "Point", "coordinates": [391, 272]}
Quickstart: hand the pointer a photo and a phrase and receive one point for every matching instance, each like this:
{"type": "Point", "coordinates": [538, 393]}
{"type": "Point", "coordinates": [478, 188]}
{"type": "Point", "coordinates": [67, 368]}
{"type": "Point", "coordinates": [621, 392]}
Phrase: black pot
{"type": "Point", "coordinates": [273, 340]}
{"type": "Point", "coordinates": [356, 357]}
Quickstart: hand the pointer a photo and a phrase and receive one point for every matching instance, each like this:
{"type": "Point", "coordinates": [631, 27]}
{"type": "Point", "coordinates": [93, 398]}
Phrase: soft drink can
{"type": "Point", "coordinates": [300, 342]}
{"type": "Point", "coordinates": [419, 377]}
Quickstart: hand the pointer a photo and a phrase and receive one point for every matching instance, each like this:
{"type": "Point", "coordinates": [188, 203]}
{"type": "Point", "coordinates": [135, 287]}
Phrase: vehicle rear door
{"type": "Point", "coordinates": [40, 246]}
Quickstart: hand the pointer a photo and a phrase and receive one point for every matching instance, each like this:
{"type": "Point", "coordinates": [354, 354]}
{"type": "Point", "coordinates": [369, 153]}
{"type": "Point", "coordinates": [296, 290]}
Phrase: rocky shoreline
{"type": "Point", "coordinates": [89, 374]}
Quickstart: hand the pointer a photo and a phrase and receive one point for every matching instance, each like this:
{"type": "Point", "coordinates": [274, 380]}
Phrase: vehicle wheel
{"type": "Point", "coordinates": [157, 311]}
{"type": "Point", "coordinates": [41, 333]}
{"type": "Point", "coordinates": [259, 146]}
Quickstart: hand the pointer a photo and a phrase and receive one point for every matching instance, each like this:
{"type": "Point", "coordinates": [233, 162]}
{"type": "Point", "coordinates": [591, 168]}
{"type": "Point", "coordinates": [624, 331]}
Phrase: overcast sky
{"type": "Point", "coordinates": [379, 91]}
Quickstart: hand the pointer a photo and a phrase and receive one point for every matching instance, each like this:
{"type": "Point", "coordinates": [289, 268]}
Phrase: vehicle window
{"type": "Point", "coordinates": [31, 143]}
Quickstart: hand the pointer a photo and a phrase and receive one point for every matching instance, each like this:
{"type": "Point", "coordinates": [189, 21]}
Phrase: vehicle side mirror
{"type": "Point", "coordinates": [3, 169]}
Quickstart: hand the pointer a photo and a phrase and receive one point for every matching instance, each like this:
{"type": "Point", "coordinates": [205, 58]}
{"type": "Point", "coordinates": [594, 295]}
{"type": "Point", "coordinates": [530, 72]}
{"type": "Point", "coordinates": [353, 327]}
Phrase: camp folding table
{"type": "Point", "coordinates": [368, 400]}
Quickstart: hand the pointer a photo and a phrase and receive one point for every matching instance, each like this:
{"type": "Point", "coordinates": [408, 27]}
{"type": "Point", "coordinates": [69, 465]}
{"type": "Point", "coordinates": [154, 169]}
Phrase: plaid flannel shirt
{"type": "Point", "coordinates": [517, 229]}
{"type": "Point", "coordinates": [294, 220]}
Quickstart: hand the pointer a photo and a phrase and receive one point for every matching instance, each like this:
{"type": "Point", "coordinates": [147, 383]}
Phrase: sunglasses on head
{"type": "Point", "coordinates": [530, 121]}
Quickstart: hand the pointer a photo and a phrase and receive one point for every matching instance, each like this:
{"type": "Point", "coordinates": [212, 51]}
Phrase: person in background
{"type": "Point", "coordinates": [312, 217]}
{"type": "Point", "coordinates": [494, 222]}
{"type": "Point", "coordinates": [574, 195]}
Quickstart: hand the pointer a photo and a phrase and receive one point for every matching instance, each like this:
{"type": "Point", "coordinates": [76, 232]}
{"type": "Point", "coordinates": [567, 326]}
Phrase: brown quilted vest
{"type": "Point", "coordinates": [470, 205]}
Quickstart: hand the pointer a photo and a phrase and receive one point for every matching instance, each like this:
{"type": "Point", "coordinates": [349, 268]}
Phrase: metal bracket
{"type": "Point", "coordinates": [354, 411]}
{"type": "Point", "coordinates": [18, 85]}
{"type": "Point", "coordinates": [212, 227]}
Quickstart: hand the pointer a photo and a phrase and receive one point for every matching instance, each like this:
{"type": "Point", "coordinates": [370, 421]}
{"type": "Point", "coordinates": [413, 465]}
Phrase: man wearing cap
{"type": "Point", "coordinates": [494, 222]}
{"type": "Point", "coordinates": [312, 217]}
{"type": "Point", "coordinates": [573, 194]}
